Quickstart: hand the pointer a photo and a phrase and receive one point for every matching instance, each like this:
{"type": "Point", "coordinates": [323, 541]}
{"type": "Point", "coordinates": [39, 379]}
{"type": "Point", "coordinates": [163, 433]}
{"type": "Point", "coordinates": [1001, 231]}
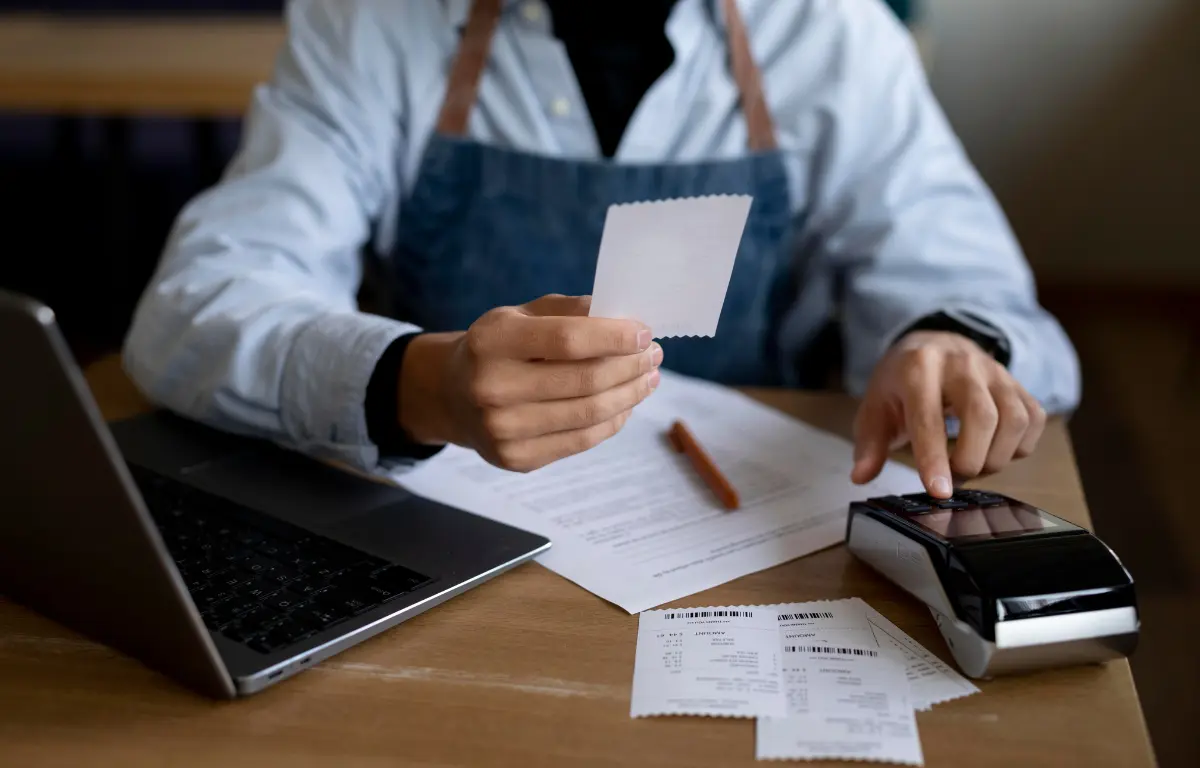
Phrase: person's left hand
{"type": "Point", "coordinates": [926, 376]}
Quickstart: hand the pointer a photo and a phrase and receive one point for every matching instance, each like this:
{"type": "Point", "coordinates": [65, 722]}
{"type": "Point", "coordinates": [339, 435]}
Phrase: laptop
{"type": "Point", "coordinates": [225, 562]}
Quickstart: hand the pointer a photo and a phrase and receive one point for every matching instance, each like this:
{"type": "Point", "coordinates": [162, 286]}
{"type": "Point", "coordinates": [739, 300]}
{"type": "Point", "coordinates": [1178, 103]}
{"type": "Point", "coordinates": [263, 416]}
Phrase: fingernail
{"type": "Point", "coordinates": [941, 486]}
{"type": "Point", "coordinates": [656, 355]}
{"type": "Point", "coordinates": [644, 339]}
{"type": "Point", "coordinates": [655, 377]}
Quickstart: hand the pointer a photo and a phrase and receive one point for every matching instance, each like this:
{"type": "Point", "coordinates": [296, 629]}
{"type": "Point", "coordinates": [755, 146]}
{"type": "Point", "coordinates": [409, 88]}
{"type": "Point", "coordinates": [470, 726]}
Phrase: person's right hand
{"type": "Point", "coordinates": [525, 386]}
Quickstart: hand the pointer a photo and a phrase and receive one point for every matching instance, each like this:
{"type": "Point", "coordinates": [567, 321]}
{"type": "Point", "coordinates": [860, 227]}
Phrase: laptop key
{"type": "Point", "coordinates": [399, 578]}
{"type": "Point", "coordinates": [298, 560]}
{"type": "Point", "coordinates": [312, 617]}
{"type": "Point", "coordinates": [212, 570]}
{"type": "Point", "coordinates": [210, 595]}
{"type": "Point", "coordinates": [323, 570]}
{"type": "Point", "coordinates": [382, 592]}
{"type": "Point", "coordinates": [319, 615]}
{"type": "Point", "coordinates": [356, 572]}
{"type": "Point", "coordinates": [347, 600]}
{"type": "Point", "coordinates": [283, 600]}
{"type": "Point", "coordinates": [308, 585]}
{"type": "Point", "coordinates": [257, 588]}
{"type": "Point", "coordinates": [258, 564]}
{"type": "Point", "coordinates": [261, 644]}
{"type": "Point", "coordinates": [282, 575]}
{"type": "Point", "coordinates": [273, 549]}
{"type": "Point", "coordinates": [259, 618]}
{"type": "Point", "coordinates": [238, 633]}
{"type": "Point", "coordinates": [228, 610]}
{"type": "Point", "coordinates": [287, 631]}
{"type": "Point", "coordinates": [231, 580]}
{"type": "Point", "coordinates": [330, 605]}
{"type": "Point", "coordinates": [196, 584]}
{"type": "Point", "coordinates": [248, 538]}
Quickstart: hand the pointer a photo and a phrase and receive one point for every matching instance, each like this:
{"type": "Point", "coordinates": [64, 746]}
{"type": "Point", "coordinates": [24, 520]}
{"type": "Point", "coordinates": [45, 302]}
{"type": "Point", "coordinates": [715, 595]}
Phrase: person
{"type": "Point", "coordinates": [458, 157]}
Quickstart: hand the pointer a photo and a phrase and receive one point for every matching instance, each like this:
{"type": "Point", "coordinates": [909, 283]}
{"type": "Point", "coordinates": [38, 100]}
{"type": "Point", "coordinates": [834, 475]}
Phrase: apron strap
{"type": "Point", "coordinates": [468, 67]}
{"type": "Point", "coordinates": [472, 57]}
{"type": "Point", "coordinates": [759, 126]}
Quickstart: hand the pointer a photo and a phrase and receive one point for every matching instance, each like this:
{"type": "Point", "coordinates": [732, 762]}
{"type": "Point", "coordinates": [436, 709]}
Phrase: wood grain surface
{"type": "Point", "coordinates": [193, 67]}
{"type": "Point", "coordinates": [529, 669]}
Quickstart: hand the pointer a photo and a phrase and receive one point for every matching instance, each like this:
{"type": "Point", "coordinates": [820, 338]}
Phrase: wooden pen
{"type": "Point", "coordinates": [683, 442]}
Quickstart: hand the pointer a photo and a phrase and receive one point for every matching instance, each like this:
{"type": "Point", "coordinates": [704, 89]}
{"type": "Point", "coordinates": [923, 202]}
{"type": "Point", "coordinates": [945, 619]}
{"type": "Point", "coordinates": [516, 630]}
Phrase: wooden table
{"type": "Point", "coordinates": [188, 67]}
{"type": "Point", "coordinates": [530, 669]}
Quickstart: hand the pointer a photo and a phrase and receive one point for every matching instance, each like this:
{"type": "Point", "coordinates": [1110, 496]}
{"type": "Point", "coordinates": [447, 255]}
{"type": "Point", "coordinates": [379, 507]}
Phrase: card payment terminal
{"type": "Point", "coordinates": [1012, 587]}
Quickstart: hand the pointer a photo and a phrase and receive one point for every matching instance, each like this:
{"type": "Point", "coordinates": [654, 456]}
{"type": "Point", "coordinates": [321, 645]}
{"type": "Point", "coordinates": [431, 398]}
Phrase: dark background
{"type": "Point", "coordinates": [88, 202]}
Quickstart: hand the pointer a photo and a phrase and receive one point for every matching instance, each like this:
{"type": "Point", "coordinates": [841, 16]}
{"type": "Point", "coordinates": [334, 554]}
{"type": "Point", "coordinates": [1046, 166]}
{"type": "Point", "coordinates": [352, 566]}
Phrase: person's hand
{"type": "Point", "coordinates": [525, 386]}
{"type": "Point", "coordinates": [926, 376]}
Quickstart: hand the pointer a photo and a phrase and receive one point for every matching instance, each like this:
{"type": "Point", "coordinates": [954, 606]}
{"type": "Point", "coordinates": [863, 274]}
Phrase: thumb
{"type": "Point", "coordinates": [872, 438]}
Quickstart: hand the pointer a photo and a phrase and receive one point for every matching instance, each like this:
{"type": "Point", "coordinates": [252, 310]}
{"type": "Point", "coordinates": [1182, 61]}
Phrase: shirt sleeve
{"type": "Point", "coordinates": [906, 223]}
{"type": "Point", "coordinates": [250, 322]}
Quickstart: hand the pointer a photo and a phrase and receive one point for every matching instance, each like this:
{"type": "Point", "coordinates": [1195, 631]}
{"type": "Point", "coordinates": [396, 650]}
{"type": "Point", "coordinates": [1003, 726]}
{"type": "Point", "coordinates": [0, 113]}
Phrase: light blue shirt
{"type": "Point", "coordinates": [251, 324]}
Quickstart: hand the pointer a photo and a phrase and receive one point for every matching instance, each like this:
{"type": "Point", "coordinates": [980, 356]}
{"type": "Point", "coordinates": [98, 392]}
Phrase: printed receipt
{"type": "Point", "coordinates": [826, 680]}
{"type": "Point", "coordinates": [846, 697]}
{"type": "Point", "coordinates": [843, 702]}
{"type": "Point", "coordinates": [931, 680]}
{"type": "Point", "coordinates": [707, 661]}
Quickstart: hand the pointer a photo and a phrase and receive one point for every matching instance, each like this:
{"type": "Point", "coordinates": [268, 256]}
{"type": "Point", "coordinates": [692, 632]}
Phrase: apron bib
{"type": "Point", "coordinates": [487, 226]}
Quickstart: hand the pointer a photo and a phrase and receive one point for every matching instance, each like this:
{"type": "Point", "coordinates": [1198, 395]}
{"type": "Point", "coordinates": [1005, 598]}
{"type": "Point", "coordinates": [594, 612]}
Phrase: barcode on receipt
{"type": "Point", "coordinates": [813, 615]}
{"type": "Point", "coordinates": [828, 649]}
{"type": "Point", "coordinates": [710, 615]}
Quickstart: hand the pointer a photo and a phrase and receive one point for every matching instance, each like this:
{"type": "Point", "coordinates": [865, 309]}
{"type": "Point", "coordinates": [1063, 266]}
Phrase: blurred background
{"type": "Point", "coordinates": [1083, 115]}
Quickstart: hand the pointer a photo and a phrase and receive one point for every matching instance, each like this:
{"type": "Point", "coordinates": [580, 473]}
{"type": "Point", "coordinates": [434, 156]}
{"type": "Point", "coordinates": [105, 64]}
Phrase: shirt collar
{"type": "Point", "coordinates": [457, 11]}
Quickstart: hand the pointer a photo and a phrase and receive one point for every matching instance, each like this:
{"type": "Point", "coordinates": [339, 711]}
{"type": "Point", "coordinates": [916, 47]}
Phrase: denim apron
{"type": "Point", "coordinates": [487, 226]}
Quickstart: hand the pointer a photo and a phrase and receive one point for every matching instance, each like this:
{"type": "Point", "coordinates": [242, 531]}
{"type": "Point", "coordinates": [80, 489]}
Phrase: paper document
{"type": "Point", "coordinates": [667, 263]}
{"type": "Point", "coordinates": [707, 661]}
{"type": "Point", "coordinates": [631, 521]}
{"type": "Point", "coordinates": [931, 680]}
{"type": "Point", "coordinates": [844, 703]}
{"type": "Point", "coordinates": [813, 673]}
{"type": "Point", "coordinates": [725, 660]}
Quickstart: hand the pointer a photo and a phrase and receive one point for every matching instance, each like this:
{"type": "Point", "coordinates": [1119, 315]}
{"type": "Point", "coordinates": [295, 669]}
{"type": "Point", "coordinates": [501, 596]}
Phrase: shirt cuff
{"type": "Point", "coordinates": [382, 407]}
{"type": "Point", "coordinates": [324, 386]}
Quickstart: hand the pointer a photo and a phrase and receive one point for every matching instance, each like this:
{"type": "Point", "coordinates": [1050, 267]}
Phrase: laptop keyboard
{"type": "Point", "coordinates": [258, 580]}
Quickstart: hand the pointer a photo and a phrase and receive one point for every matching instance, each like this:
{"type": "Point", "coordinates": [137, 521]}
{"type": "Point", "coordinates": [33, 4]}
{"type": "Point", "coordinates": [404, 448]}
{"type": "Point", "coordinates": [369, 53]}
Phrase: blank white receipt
{"type": "Point", "coordinates": [667, 263]}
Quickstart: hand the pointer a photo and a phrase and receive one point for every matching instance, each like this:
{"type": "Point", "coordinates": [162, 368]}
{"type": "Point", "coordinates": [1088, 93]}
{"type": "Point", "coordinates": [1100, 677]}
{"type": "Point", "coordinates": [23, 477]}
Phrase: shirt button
{"type": "Point", "coordinates": [561, 107]}
{"type": "Point", "coordinates": [531, 11]}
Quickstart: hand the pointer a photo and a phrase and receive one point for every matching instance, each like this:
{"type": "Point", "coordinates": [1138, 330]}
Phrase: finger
{"type": "Point", "coordinates": [923, 417]}
{"type": "Point", "coordinates": [528, 455]}
{"type": "Point", "coordinates": [526, 337]}
{"type": "Point", "coordinates": [873, 434]}
{"type": "Point", "coordinates": [978, 418]}
{"type": "Point", "coordinates": [1037, 425]}
{"type": "Point", "coordinates": [529, 420]}
{"type": "Point", "coordinates": [558, 305]}
{"type": "Point", "coordinates": [1013, 422]}
{"type": "Point", "coordinates": [509, 382]}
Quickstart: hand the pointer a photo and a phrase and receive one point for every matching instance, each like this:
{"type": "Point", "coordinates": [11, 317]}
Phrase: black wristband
{"type": "Point", "coordinates": [987, 336]}
{"type": "Point", "coordinates": [382, 406]}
